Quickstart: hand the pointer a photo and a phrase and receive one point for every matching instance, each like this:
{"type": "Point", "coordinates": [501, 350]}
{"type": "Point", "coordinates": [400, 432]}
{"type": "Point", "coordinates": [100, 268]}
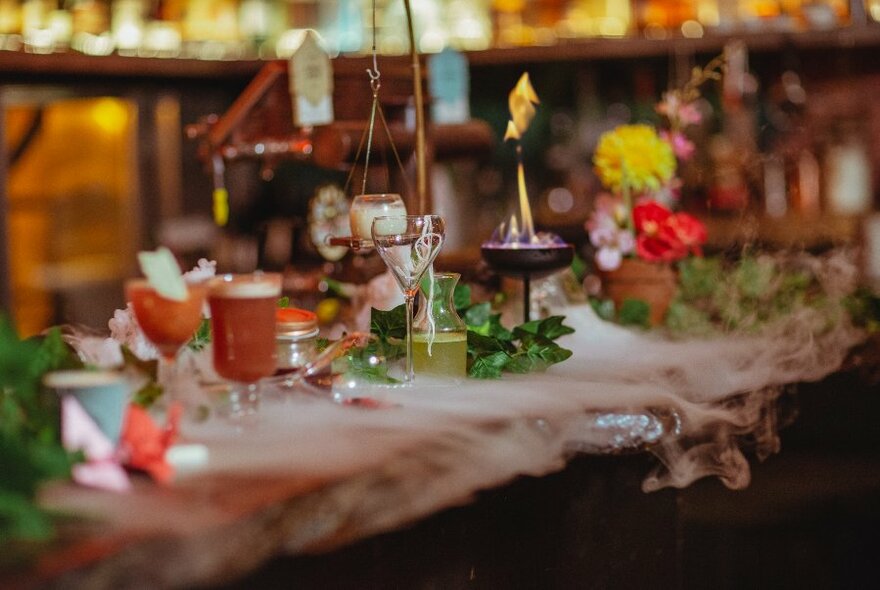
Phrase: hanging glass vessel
{"type": "Point", "coordinates": [439, 333]}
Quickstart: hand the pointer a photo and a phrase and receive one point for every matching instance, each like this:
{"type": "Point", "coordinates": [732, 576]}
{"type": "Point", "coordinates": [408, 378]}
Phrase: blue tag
{"type": "Point", "coordinates": [449, 85]}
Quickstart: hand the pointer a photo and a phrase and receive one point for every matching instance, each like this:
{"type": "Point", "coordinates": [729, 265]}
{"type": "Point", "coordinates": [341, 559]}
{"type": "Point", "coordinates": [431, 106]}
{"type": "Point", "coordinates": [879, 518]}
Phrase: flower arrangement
{"type": "Point", "coordinates": [637, 164]}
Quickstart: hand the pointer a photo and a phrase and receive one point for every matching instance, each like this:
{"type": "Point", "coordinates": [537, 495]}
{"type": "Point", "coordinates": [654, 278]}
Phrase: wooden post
{"type": "Point", "coordinates": [421, 166]}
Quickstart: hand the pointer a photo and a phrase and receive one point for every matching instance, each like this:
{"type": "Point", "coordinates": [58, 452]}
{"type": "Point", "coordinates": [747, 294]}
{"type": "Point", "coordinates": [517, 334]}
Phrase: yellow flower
{"type": "Point", "coordinates": [633, 156]}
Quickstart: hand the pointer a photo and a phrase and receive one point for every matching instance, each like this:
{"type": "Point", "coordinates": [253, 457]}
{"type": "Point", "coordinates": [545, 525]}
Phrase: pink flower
{"type": "Point", "coordinates": [612, 246]}
{"type": "Point", "coordinates": [682, 147]}
{"type": "Point", "coordinates": [689, 114]}
{"type": "Point", "coordinates": [669, 104]}
{"type": "Point", "coordinates": [608, 233]}
{"type": "Point", "coordinates": [609, 212]}
{"type": "Point", "coordinates": [204, 270]}
{"type": "Point", "coordinates": [680, 114]}
{"type": "Point", "coordinates": [124, 329]}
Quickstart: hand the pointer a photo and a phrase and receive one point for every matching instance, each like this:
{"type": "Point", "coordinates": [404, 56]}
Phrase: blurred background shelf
{"type": "Point", "coordinates": [791, 232]}
{"type": "Point", "coordinates": [80, 129]}
{"type": "Point", "coordinates": [72, 63]}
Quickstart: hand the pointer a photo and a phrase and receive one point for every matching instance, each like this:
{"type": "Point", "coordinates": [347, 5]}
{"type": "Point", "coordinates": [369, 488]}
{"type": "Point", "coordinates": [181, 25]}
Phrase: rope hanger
{"type": "Point", "coordinates": [376, 108]}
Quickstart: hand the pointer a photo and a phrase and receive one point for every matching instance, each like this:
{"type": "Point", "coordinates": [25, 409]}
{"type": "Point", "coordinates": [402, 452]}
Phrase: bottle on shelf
{"type": "Point", "coordinates": [847, 172]}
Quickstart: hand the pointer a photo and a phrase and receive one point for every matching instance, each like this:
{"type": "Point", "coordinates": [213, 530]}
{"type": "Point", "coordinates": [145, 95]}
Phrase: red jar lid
{"type": "Point", "coordinates": [293, 321]}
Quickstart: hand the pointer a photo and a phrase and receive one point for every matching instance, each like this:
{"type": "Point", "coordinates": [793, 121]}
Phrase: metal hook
{"type": "Point", "coordinates": [374, 74]}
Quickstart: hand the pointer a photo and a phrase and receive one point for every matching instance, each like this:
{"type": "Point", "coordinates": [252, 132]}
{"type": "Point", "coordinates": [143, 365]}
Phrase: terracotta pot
{"type": "Point", "coordinates": [654, 283]}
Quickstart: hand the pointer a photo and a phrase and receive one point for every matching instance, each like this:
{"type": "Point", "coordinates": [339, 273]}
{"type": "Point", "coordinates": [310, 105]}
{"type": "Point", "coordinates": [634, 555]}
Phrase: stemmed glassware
{"type": "Point", "coordinates": [167, 323]}
{"type": "Point", "coordinates": [408, 244]}
{"type": "Point", "coordinates": [243, 325]}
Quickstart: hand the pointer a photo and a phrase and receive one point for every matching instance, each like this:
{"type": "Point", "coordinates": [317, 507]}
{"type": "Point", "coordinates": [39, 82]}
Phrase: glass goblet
{"type": "Point", "coordinates": [168, 324]}
{"type": "Point", "coordinates": [408, 244]}
{"type": "Point", "coordinates": [243, 327]}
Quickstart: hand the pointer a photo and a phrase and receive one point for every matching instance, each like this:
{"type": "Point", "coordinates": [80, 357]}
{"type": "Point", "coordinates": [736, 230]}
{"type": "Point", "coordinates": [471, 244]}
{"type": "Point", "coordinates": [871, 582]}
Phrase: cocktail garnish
{"type": "Point", "coordinates": [163, 273]}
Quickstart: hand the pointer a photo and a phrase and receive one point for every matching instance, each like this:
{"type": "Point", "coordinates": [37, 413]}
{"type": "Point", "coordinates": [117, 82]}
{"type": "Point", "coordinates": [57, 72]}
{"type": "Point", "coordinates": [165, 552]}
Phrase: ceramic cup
{"type": "Point", "coordinates": [102, 394]}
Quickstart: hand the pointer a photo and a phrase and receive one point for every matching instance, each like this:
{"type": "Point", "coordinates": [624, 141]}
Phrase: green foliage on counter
{"type": "Point", "coordinates": [492, 348]}
{"type": "Point", "coordinates": [30, 438]}
{"type": "Point", "coordinates": [753, 292]}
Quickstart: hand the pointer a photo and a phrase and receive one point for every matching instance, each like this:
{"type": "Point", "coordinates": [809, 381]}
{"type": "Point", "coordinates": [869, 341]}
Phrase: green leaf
{"type": "Point", "coordinates": [52, 354]}
{"type": "Point", "coordinates": [479, 344]}
{"type": "Point", "coordinates": [388, 324]}
{"type": "Point", "coordinates": [753, 276]}
{"type": "Point", "coordinates": [685, 318]}
{"type": "Point", "coordinates": [635, 312]}
{"type": "Point", "coordinates": [202, 337]}
{"type": "Point", "coordinates": [488, 366]}
{"type": "Point", "coordinates": [461, 297]}
{"type": "Point", "coordinates": [147, 395]}
{"type": "Point", "coordinates": [369, 363]}
{"type": "Point", "coordinates": [284, 301]}
{"type": "Point", "coordinates": [550, 327]}
{"type": "Point", "coordinates": [21, 519]}
{"type": "Point", "coordinates": [478, 315]}
{"type": "Point", "coordinates": [579, 268]}
{"type": "Point", "coordinates": [539, 355]}
{"type": "Point", "coordinates": [698, 277]}
{"type": "Point", "coordinates": [30, 445]}
{"type": "Point", "coordinates": [495, 329]}
{"type": "Point", "coordinates": [149, 368]}
{"type": "Point", "coordinates": [604, 308]}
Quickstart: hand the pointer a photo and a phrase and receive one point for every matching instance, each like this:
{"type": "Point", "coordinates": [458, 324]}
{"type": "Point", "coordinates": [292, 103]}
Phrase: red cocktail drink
{"type": "Point", "coordinates": [243, 324]}
{"type": "Point", "coordinates": [167, 323]}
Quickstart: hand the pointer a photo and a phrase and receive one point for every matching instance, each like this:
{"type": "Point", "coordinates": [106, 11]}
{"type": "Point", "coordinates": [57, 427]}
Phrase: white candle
{"type": "Point", "coordinates": [367, 207]}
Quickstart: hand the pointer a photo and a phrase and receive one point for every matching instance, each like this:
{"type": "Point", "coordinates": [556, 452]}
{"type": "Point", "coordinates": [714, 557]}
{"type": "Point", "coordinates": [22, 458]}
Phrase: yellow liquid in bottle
{"type": "Point", "coordinates": [448, 354]}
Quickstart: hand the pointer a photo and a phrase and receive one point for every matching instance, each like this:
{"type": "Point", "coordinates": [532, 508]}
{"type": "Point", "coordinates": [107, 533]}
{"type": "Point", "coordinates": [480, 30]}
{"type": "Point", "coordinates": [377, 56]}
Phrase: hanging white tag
{"type": "Point", "coordinates": [310, 75]}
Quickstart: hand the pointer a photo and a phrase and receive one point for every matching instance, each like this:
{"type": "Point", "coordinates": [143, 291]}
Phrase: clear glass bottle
{"type": "Point", "coordinates": [439, 333]}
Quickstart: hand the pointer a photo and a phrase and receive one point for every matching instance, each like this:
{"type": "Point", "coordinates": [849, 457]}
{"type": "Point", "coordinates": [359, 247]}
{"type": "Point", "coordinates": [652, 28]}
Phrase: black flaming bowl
{"type": "Point", "coordinates": [528, 261]}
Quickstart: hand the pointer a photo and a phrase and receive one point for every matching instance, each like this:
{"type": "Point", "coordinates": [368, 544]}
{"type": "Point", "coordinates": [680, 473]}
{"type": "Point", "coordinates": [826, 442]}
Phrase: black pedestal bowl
{"type": "Point", "coordinates": [527, 262]}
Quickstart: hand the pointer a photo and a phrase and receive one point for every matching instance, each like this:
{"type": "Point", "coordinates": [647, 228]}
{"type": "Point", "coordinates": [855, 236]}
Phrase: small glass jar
{"type": "Point", "coordinates": [366, 207]}
{"type": "Point", "coordinates": [296, 332]}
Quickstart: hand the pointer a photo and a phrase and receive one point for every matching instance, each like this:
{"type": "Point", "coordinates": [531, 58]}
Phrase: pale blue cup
{"type": "Point", "coordinates": [102, 394]}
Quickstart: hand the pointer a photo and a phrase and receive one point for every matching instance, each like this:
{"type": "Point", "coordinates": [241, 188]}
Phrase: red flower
{"type": "Point", "coordinates": [664, 246]}
{"type": "Point", "coordinates": [690, 231]}
{"type": "Point", "coordinates": [663, 236]}
{"type": "Point", "coordinates": [144, 442]}
{"type": "Point", "coordinates": [649, 217]}
{"type": "Point", "coordinates": [655, 239]}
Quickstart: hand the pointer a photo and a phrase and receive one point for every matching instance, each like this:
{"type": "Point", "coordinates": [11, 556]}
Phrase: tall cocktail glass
{"type": "Point", "coordinates": [408, 244]}
{"type": "Point", "coordinates": [167, 323]}
{"type": "Point", "coordinates": [243, 334]}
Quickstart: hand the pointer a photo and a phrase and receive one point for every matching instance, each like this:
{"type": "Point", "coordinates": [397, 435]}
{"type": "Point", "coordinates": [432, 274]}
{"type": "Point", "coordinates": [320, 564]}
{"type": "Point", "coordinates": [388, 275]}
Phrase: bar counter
{"type": "Point", "coordinates": [632, 414]}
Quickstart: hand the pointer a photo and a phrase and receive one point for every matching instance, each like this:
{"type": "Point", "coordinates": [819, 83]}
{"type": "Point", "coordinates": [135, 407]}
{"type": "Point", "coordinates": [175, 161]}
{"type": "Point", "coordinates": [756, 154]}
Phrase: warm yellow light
{"type": "Point", "coordinates": [707, 13]}
{"type": "Point", "coordinates": [612, 27]}
{"type": "Point", "coordinates": [110, 115]}
{"type": "Point", "coordinates": [691, 29]}
{"type": "Point", "coordinates": [509, 5]}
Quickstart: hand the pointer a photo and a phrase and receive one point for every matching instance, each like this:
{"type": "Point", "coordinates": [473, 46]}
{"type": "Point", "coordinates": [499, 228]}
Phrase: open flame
{"type": "Point", "coordinates": [521, 101]}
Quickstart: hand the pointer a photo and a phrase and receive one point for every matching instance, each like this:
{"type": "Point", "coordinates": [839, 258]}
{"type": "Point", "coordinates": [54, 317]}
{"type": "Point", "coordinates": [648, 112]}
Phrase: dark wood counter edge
{"type": "Point", "coordinates": [71, 63]}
